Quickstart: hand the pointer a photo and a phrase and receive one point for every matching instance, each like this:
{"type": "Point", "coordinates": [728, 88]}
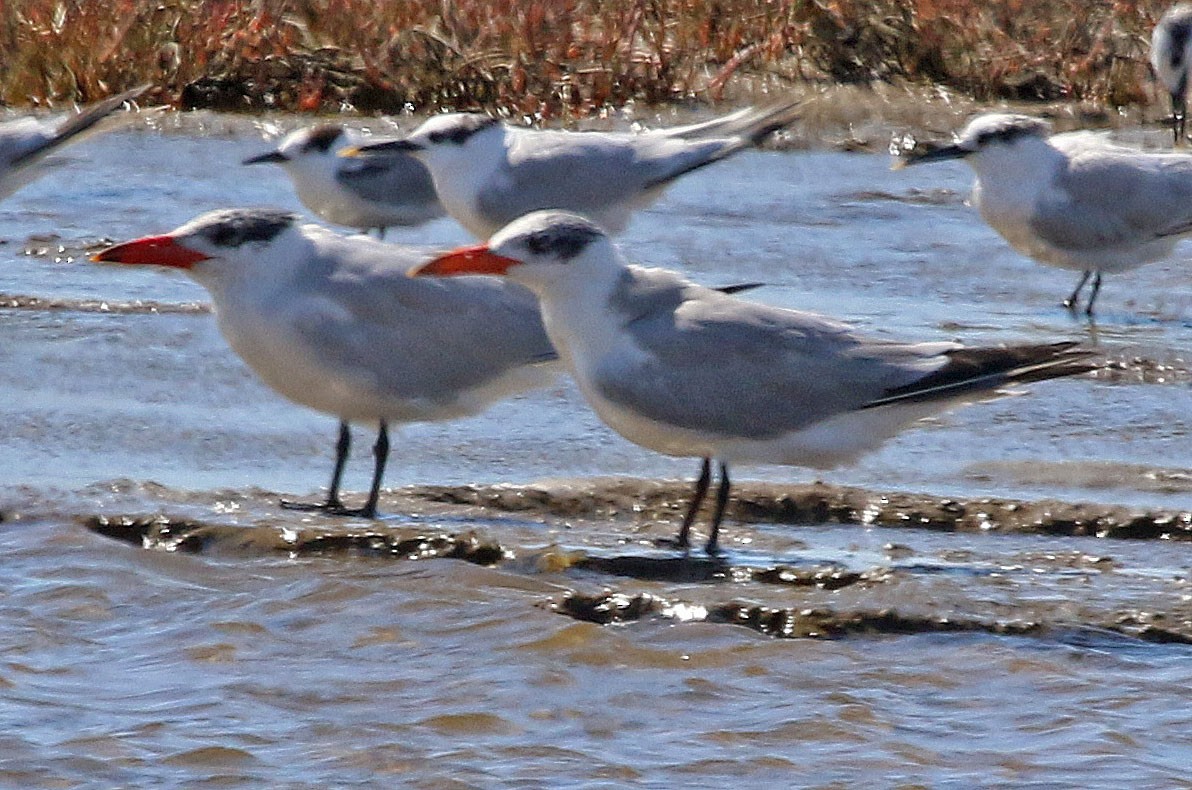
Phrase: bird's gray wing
{"type": "Point", "coordinates": [79, 123]}
{"type": "Point", "coordinates": [21, 137]}
{"type": "Point", "coordinates": [1110, 196]}
{"type": "Point", "coordinates": [424, 338]}
{"type": "Point", "coordinates": [397, 180]}
{"type": "Point", "coordinates": [585, 172]}
{"type": "Point", "coordinates": [705, 361]}
{"type": "Point", "coordinates": [25, 143]}
{"type": "Point", "coordinates": [17, 140]}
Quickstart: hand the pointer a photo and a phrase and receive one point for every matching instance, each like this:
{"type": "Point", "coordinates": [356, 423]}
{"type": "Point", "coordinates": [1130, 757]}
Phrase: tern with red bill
{"type": "Point", "coordinates": [488, 173]}
{"type": "Point", "coordinates": [26, 142]}
{"type": "Point", "coordinates": [691, 371]}
{"type": "Point", "coordinates": [374, 193]}
{"type": "Point", "coordinates": [335, 323]}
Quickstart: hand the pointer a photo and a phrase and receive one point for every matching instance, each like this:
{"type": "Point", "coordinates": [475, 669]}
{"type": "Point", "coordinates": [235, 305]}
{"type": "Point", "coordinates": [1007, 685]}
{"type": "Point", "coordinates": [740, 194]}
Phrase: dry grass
{"type": "Point", "coordinates": [551, 58]}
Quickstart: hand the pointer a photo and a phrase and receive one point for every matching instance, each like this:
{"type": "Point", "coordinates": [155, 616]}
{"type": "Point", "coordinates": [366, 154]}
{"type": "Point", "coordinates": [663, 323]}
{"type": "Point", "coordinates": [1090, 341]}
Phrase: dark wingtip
{"type": "Point", "coordinates": [971, 370]}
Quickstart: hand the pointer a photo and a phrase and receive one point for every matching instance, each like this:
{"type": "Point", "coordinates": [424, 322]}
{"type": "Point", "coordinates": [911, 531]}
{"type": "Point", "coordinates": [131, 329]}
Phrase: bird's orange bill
{"type": "Point", "coordinates": [155, 250]}
{"type": "Point", "coordinates": [465, 260]}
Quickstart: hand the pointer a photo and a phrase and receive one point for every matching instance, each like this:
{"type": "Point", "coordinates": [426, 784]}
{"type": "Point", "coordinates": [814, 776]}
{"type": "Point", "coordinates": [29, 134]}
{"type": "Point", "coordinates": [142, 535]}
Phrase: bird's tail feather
{"type": "Point", "coordinates": [752, 124]}
{"type": "Point", "coordinates": [975, 370]}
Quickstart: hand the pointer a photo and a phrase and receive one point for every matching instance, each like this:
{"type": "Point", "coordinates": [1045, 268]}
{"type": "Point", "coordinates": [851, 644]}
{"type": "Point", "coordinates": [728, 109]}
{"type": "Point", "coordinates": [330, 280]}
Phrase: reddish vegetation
{"type": "Point", "coordinates": [562, 57]}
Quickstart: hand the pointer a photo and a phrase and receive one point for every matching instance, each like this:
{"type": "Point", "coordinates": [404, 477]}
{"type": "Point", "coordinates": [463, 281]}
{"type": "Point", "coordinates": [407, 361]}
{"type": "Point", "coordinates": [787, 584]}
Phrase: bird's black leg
{"type": "Point", "coordinates": [1178, 115]}
{"type": "Point", "coordinates": [683, 540]}
{"type": "Point", "coordinates": [1072, 301]}
{"type": "Point", "coordinates": [380, 456]}
{"type": "Point", "coordinates": [1088, 310]}
{"type": "Point", "coordinates": [333, 503]}
{"type": "Point", "coordinates": [713, 547]}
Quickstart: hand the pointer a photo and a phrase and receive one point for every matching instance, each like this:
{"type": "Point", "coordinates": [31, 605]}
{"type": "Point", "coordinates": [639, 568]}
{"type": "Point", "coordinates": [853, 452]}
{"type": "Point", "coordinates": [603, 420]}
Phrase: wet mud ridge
{"type": "Point", "coordinates": [119, 307]}
{"type": "Point", "coordinates": [905, 591]}
{"type": "Point", "coordinates": [819, 503]}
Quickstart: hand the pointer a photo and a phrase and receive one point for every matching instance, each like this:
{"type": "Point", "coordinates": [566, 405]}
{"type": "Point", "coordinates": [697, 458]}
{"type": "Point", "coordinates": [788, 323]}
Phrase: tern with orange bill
{"type": "Point", "coordinates": [691, 371]}
{"type": "Point", "coordinates": [334, 323]}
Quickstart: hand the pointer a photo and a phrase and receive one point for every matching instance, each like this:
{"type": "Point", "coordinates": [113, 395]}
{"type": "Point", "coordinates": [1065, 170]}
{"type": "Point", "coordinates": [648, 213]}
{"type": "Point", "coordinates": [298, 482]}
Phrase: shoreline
{"type": "Point", "coordinates": [628, 503]}
{"type": "Point", "coordinates": [578, 59]}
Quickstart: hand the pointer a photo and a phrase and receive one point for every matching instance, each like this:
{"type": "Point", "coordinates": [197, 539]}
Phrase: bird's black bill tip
{"type": "Point", "coordinates": [925, 153]}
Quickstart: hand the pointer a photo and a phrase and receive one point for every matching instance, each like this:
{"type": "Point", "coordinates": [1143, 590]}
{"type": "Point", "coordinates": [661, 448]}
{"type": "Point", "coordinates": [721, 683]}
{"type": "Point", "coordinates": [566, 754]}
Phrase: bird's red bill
{"type": "Point", "coordinates": [466, 260]}
{"type": "Point", "coordinates": [155, 250]}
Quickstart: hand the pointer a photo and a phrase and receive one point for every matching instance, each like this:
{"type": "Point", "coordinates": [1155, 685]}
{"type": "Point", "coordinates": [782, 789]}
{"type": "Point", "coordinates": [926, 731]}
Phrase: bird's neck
{"type": "Point", "coordinates": [250, 279]}
{"type": "Point", "coordinates": [460, 179]}
{"type": "Point", "coordinates": [577, 319]}
{"type": "Point", "coordinates": [1009, 183]}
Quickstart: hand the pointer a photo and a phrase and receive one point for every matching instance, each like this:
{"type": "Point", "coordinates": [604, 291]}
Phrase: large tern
{"type": "Point", "coordinates": [26, 142]}
{"type": "Point", "coordinates": [375, 193]}
{"type": "Point", "coordinates": [335, 323]}
{"type": "Point", "coordinates": [488, 173]}
{"type": "Point", "coordinates": [690, 371]}
{"type": "Point", "coordinates": [1073, 200]}
{"type": "Point", "coordinates": [1171, 57]}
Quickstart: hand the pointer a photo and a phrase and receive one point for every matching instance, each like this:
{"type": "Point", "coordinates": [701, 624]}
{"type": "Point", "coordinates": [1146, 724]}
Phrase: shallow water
{"type": "Point", "coordinates": [248, 664]}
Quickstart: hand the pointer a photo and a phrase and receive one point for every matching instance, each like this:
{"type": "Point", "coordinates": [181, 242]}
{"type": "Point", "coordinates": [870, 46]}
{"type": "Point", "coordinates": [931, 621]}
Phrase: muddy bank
{"type": "Point", "coordinates": [825, 504]}
{"type": "Point", "coordinates": [634, 501]}
{"type": "Point", "coordinates": [820, 623]}
{"type": "Point", "coordinates": [161, 533]}
{"type": "Point", "coordinates": [909, 590]}
{"type": "Point", "coordinates": [872, 118]}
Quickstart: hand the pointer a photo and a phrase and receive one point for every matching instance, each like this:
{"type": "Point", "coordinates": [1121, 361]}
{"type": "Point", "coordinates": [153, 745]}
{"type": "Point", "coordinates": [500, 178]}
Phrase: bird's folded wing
{"type": "Point", "coordinates": [721, 365]}
{"type": "Point", "coordinates": [1112, 197]}
{"type": "Point", "coordinates": [419, 337]}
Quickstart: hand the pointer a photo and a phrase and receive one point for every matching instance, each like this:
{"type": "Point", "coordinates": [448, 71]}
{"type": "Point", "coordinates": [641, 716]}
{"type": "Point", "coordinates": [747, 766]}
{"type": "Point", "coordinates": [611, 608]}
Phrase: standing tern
{"type": "Point", "coordinates": [690, 371]}
{"type": "Point", "coordinates": [1073, 200]}
{"type": "Point", "coordinates": [1171, 56]}
{"type": "Point", "coordinates": [378, 192]}
{"type": "Point", "coordinates": [26, 142]}
{"type": "Point", "coordinates": [488, 173]}
{"type": "Point", "coordinates": [335, 323]}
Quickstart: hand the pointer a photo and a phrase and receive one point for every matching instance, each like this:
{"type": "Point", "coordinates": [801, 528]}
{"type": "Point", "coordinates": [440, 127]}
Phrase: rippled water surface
{"type": "Point", "coordinates": [239, 660]}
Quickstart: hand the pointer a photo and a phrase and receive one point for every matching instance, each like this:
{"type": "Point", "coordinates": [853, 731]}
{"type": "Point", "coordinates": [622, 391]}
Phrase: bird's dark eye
{"type": "Point", "coordinates": [465, 127]}
{"type": "Point", "coordinates": [1011, 132]}
{"type": "Point", "coordinates": [224, 236]}
{"type": "Point", "coordinates": [322, 138]}
{"type": "Point", "coordinates": [233, 228]}
{"type": "Point", "coordinates": [563, 242]}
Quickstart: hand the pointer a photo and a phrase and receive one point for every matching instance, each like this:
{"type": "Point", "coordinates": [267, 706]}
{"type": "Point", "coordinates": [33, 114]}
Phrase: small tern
{"type": "Point", "coordinates": [375, 193]}
{"type": "Point", "coordinates": [488, 173]}
{"type": "Point", "coordinates": [691, 371]}
{"type": "Point", "coordinates": [1073, 200]}
{"type": "Point", "coordinates": [26, 142]}
{"type": "Point", "coordinates": [1171, 56]}
{"type": "Point", "coordinates": [335, 323]}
